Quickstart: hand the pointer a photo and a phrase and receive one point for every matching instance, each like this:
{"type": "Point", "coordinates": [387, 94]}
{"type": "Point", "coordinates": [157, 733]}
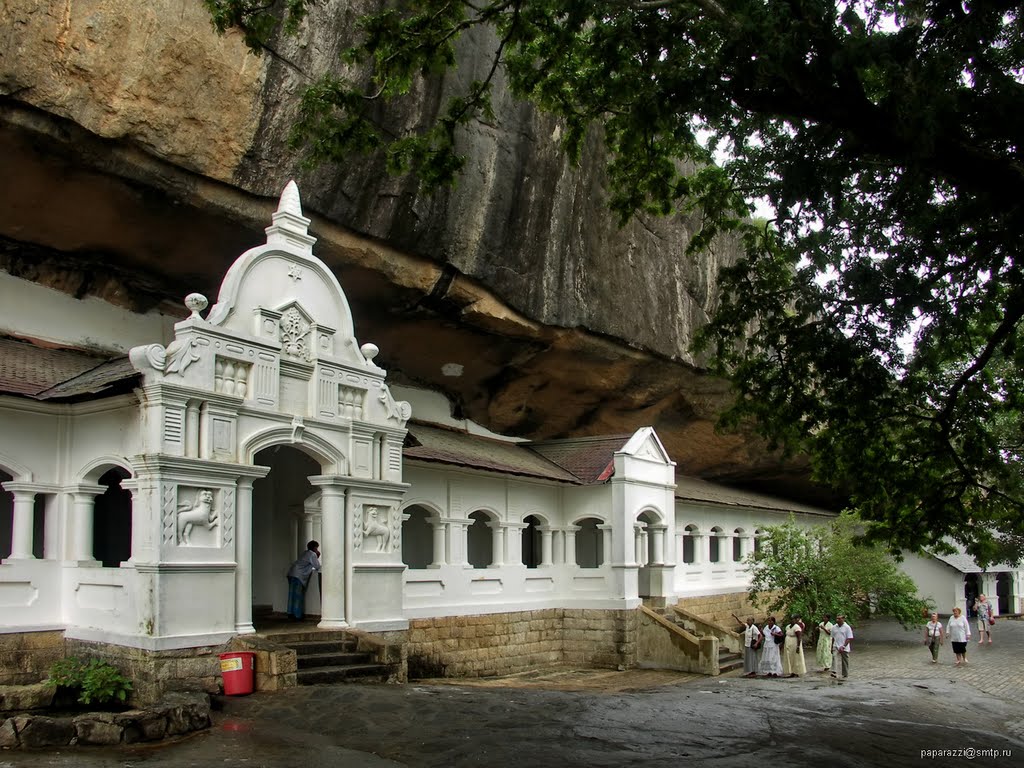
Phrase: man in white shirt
{"type": "Point", "coordinates": [751, 641]}
{"type": "Point", "coordinates": [842, 636]}
{"type": "Point", "coordinates": [298, 579]}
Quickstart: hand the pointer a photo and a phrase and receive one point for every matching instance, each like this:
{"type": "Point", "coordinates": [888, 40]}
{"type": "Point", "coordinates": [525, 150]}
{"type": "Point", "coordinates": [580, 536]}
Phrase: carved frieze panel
{"type": "Point", "coordinates": [196, 517]}
{"type": "Point", "coordinates": [351, 402]}
{"type": "Point", "coordinates": [231, 377]}
{"type": "Point", "coordinates": [377, 528]}
{"type": "Point", "coordinates": [294, 333]}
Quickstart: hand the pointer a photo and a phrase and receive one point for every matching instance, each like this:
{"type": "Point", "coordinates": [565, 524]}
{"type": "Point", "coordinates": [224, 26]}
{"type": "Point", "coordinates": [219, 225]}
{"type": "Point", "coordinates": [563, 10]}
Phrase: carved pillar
{"type": "Point", "coordinates": [497, 543]}
{"type": "Point", "coordinates": [439, 529]}
{"type": "Point", "coordinates": [83, 509]}
{"type": "Point", "coordinates": [570, 544]}
{"type": "Point", "coordinates": [243, 558]}
{"type": "Point", "coordinates": [545, 546]}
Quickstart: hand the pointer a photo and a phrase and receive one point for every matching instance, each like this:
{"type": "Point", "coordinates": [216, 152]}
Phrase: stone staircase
{"type": "Point", "coordinates": [331, 656]}
{"type": "Point", "coordinates": [727, 660]}
{"type": "Point", "coordinates": [723, 609]}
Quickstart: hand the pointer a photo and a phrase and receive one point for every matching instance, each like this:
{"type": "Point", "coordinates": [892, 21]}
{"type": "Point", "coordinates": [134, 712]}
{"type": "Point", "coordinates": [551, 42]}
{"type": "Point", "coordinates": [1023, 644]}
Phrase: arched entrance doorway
{"type": "Point", "coordinates": [282, 523]}
{"type": "Point", "coordinates": [971, 591]}
{"type": "Point", "coordinates": [1003, 593]}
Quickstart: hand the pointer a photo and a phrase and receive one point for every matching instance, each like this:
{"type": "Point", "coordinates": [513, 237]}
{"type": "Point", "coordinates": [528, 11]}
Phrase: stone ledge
{"type": "Point", "coordinates": [174, 715]}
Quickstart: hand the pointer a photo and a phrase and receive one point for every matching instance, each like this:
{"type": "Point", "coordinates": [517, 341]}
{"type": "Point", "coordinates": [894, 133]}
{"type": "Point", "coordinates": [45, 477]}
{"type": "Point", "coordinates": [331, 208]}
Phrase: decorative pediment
{"type": "Point", "coordinates": [644, 444]}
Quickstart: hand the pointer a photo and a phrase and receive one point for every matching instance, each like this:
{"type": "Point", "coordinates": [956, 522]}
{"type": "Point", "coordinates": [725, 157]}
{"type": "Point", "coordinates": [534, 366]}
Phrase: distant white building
{"type": "Point", "coordinates": [154, 501]}
{"type": "Point", "coordinates": [956, 580]}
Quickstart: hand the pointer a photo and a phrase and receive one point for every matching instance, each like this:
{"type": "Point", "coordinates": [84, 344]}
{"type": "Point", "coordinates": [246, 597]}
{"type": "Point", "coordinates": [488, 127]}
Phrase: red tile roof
{"type": "Point", "coordinates": [590, 459]}
{"type": "Point", "coordinates": [448, 446]}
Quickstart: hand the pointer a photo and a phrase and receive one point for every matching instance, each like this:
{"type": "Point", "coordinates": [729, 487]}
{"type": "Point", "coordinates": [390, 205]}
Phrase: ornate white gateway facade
{"type": "Point", "coordinates": [153, 502]}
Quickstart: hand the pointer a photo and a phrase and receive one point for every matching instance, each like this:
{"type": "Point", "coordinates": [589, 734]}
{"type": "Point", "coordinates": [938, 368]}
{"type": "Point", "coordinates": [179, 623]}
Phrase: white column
{"type": "Point", "coordinates": [21, 534]}
{"type": "Point", "coordinates": [570, 544]}
{"type": "Point", "coordinates": [658, 532]}
{"type": "Point", "coordinates": [334, 512]}
{"type": "Point", "coordinates": [514, 544]}
{"type": "Point", "coordinates": [606, 542]}
{"type": "Point", "coordinates": [557, 546]}
{"type": "Point", "coordinates": [83, 509]}
{"type": "Point", "coordinates": [440, 531]}
{"type": "Point", "coordinates": [51, 527]}
{"type": "Point", "coordinates": [639, 542]}
{"type": "Point", "coordinates": [700, 549]}
{"type": "Point", "coordinates": [680, 547]}
{"type": "Point", "coordinates": [243, 557]}
{"type": "Point", "coordinates": [144, 549]}
{"type": "Point", "coordinates": [545, 546]}
{"type": "Point", "coordinates": [497, 543]}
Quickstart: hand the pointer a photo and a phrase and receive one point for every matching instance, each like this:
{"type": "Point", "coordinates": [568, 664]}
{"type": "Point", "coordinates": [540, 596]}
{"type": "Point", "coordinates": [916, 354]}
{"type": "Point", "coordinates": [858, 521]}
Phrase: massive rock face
{"type": "Point", "coordinates": [142, 153]}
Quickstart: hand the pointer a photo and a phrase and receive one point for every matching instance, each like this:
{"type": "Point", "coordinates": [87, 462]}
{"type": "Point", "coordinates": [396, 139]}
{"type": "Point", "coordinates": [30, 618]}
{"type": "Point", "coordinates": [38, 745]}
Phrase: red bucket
{"type": "Point", "coordinates": [237, 670]}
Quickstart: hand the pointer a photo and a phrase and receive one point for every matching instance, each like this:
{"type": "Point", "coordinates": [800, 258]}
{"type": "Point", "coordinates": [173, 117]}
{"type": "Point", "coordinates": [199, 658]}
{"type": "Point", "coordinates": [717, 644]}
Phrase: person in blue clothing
{"type": "Point", "coordinates": [298, 579]}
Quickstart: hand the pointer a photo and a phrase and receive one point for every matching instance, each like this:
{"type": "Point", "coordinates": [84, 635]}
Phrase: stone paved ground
{"type": "Point", "coordinates": [896, 705]}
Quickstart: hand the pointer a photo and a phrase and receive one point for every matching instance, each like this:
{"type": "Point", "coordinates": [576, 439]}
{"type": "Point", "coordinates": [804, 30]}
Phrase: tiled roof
{"type": "Point", "coordinates": [449, 446]}
{"type": "Point", "coordinates": [45, 373]}
{"type": "Point", "coordinates": [694, 489]}
{"type": "Point", "coordinates": [964, 563]}
{"type": "Point", "coordinates": [590, 459]}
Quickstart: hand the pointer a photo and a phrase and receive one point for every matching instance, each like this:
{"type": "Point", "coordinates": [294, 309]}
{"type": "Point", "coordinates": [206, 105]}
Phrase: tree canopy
{"type": "Point", "coordinates": [875, 323]}
{"type": "Point", "coordinates": [811, 572]}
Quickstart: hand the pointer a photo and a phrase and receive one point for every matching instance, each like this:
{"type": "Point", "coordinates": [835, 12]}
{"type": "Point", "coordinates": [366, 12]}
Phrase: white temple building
{"type": "Point", "coordinates": [153, 501]}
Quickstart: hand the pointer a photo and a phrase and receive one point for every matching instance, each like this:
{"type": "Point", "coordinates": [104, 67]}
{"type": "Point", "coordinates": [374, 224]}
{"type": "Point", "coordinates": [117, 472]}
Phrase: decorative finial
{"type": "Point", "coordinates": [197, 303]}
{"type": "Point", "coordinates": [290, 202]}
{"type": "Point", "coordinates": [369, 351]}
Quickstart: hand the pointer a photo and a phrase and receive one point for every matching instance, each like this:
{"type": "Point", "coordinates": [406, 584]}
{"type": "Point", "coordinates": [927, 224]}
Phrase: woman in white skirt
{"type": "Point", "coordinates": [771, 660]}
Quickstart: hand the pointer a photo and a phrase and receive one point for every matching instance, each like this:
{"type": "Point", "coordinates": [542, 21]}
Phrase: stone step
{"type": "Point", "coordinates": [333, 659]}
{"type": "Point", "coordinates": [343, 674]}
{"type": "Point", "coordinates": [308, 647]}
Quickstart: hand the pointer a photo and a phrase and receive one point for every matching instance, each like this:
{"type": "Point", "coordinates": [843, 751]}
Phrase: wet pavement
{"type": "Point", "coordinates": [896, 707]}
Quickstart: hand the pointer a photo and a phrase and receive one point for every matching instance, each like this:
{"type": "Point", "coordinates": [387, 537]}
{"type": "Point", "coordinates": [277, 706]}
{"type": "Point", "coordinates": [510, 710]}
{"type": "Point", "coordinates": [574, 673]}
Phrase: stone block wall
{"type": "Point", "coordinates": [154, 673]}
{"type": "Point", "coordinates": [507, 643]}
{"type": "Point", "coordinates": [26, 657]}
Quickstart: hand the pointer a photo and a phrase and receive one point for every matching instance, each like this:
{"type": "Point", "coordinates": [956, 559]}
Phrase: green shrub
{"type": "Point", "coordinates": [97, 682]}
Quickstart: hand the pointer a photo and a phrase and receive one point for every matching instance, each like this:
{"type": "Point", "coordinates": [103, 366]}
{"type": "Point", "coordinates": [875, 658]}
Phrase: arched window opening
{"type": "Point", "coordinates": [737, 545]}
{"type": "Point", "coordinates": [589, 544]}
{"type": "Point", "coordinates": [647, 537]}
{"type": "Point", "coordinates": [689, 544]}
{"type": "Point", "coordinates": [757, 541]}
{"type": "Point", "coordinates": [715, 545]}
{"type": "Point", "coordinates": [112, 520]}
{"type": "Point", "coordinates": [479, 541]}
{"type": "Point", "coordinates": [6, 518]}
{"type": "Point", "coordinates": [532, 542]}
{"type": "Point", "coordinates": [417, 538]}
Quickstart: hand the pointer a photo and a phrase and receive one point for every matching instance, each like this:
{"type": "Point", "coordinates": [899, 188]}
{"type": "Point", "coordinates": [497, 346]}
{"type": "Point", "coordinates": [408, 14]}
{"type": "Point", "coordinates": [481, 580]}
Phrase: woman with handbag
{"type": "Point", "coordinates": [986, 618]}
{"type": "Point", "coordinates": [751, 642]}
